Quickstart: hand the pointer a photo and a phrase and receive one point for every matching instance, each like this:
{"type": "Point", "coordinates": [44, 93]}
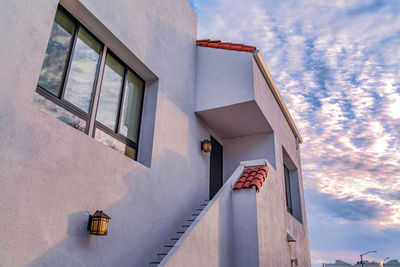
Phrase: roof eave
{"type": "Point", "coordinates": [268, 78]}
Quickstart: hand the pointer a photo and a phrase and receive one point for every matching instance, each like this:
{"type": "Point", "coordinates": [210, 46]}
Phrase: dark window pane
{"type": "Point", "coordinates": [59, 113]}
{"type": "Point", "coordinates": [288, 189]}
{"type": "Point", "coordinates": [132, 106]}
{"type": "Point", "coordinates": [107, 111]}
{"type": "Point", "coordinates": [83, 71]}
{"type": "Point", "coordinates": [56, 53]}
{"type": "Point", "coordinates": [115, 144]}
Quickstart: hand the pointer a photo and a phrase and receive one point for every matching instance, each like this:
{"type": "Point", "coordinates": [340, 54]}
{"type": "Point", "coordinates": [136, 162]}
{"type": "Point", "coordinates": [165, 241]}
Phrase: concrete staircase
{"type": "Point", "coordinates": [177, 236]}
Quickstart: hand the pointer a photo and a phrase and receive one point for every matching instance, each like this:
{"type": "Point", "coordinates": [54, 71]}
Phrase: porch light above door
{"type": "Point", "coordinates": [206, 146]}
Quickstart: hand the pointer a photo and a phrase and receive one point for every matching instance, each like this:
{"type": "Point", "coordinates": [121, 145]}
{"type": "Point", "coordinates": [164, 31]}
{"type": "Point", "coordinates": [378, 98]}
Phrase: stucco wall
{"type": "Point", "coordinates": [241, 228]}
{"type": "Point", "coordinates": [249, 147]}
{"type": "Point", "coordinates": [209, 240]}
{"type": "Point", "coordinates": [225, 232]}
{"type": "Point", "coordinates": [245, 250]}
{"type": "Point", "coordinates": [224, 78]}
{"type": "Point", "coordinates": [52, 176]}
{"type": "Point", "coordinates": [270, 145]}
{"type": "Point", "coordinates": [284, 137]}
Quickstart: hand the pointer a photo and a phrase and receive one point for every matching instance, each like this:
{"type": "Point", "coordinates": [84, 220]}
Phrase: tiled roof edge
{"type": "Point", "coordinates": [252, 177]}
{"type": "Point", "coordinates": [225, 45]}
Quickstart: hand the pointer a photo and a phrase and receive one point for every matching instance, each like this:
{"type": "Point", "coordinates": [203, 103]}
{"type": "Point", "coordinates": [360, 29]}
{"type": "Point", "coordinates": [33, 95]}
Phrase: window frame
{"type": "Point", "coordinates": [90, 116]}
{"type": "Point", "coordinates": [116, 134]}
{"type": "Point", "coordinates": [288, 189]}
{"type": "Point", "coordinates": [59, 100]}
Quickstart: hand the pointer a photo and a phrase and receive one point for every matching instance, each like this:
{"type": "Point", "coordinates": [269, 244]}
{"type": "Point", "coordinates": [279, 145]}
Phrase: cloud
{"type": "Point", "coordinates": [351, 209]}
{"type": "Point", "coordinates": [342, 229]}
{"type": "Point", "coordinates": [366, 7]}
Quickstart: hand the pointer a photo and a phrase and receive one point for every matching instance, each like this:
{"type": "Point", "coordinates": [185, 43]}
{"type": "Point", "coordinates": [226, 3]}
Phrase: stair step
{"type": "Point", "coordinates": [168, 247]}
{"type": "Point", "coordinates": [161, 256]}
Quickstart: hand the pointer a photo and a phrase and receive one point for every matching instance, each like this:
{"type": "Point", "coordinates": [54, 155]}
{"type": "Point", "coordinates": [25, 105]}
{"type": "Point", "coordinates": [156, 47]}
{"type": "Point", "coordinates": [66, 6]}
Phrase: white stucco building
{"type": "Point", "coordinates": [392, 263]}
{"type": "Point", "coordinates": [141, 93]}
{"type": "Point", "coordinates": [338, 263]}
{"type": "Point", "coordinates": [367, 264]}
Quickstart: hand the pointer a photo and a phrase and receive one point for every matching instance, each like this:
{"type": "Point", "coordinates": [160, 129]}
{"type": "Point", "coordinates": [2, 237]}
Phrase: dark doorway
{"type": "Point", "coordinates": [215, 167]}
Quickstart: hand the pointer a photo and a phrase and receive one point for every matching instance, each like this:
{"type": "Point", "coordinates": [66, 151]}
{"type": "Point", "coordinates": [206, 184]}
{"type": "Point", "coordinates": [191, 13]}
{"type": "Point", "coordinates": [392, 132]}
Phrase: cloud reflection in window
{"type": "Point", "coordinates": [56, 53]}
{"type": "Point", "coordinates": [83, 71]}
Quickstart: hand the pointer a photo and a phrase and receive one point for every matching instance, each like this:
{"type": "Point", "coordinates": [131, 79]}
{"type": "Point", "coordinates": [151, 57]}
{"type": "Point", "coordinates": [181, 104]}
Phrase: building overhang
{"type": "Point", "coordinates": [228, 89]}
{"type": "Point", "coordinates": [236, 120]}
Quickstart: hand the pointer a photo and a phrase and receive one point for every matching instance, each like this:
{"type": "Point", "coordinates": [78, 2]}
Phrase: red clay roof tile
{"type": "Point", "coordinates": [260, 176]}
{"type": "Point", "coordinates": [247, 184]}
{"type": "Point", "coordinates": [226, 45]}
{"type": "Point", "coordinates": [252, 177]}
{"type": "Point", "coordinates": [257, 183]}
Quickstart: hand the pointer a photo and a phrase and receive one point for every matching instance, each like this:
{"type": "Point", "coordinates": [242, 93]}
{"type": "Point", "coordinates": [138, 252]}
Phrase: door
{"type": "Point", "coordinates": [215, 167]}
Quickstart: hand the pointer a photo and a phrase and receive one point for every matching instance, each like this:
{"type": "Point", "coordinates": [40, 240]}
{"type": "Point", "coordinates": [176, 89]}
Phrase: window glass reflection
{"type": "Point", "coordinates": [115, 144]}
{"type": "Point", "coordinates": [132, 106]}
{"type": "Point", "coordinates": [288, 190]}
{"type": "Point", "coordinates": [110, 94]}
{"type": "Point", "coordinates": [82, 71]}
{"type": "Point", "coordinates": [59, 113]}
{"type": "Point", "coordinates": [56, 53]}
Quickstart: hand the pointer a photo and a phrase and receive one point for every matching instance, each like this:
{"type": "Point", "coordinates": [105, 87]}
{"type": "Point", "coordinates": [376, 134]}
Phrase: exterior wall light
{"type": "Point", "coordinates": [206, 145]}
{"type": "Point", "coordinates": [98, 223]}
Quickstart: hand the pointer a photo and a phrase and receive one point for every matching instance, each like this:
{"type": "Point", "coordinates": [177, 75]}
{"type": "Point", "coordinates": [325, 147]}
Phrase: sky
{"type": "Point", "coordinates": [337, 66]}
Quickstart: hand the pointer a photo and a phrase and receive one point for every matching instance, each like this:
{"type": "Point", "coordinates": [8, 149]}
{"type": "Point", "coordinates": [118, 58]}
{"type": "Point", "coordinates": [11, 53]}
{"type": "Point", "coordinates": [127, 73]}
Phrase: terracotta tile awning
{"type": "Point", "coordinates": [252, 177]}
{"type": "Point", "coordinates": [227, 46]}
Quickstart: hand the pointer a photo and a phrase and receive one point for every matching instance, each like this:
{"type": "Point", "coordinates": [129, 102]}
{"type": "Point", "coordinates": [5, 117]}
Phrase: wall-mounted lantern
{"type": "Point", "coordinates": [206, 145]}
{"type": "Point", "coordinates": [98, 223]}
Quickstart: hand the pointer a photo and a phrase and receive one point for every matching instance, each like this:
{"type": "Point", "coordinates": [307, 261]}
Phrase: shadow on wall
{"type": "Point", "coordinates": [251, 147]}
{"type": "Point", "coordinates": [225, 229]}
{"type": "Point", "coordinates": [140, 223]}
{"type": "Point", "coordinates": [181, 63]}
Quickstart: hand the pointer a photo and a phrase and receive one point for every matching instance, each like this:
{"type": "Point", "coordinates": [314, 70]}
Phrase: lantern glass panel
{"type": "Point", "coordinates": [103, 227]}
{"type": "Point", "coordinates": [95, 224]}
{"type": "Point", "coordinates": [206, 146]}
{"type": "Point", "coordinates": [98, 223]}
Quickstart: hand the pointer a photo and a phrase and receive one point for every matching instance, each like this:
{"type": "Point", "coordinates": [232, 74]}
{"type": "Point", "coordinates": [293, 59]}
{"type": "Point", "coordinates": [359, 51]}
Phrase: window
{"type": "Point", "coordinates": [292, 187]}
{"type": "Point", "coordinates": [119, 107]}
{"type": "Point", "coordinates": [75, 66]}
{"type": "Point", "coordinates": [288, 190]}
